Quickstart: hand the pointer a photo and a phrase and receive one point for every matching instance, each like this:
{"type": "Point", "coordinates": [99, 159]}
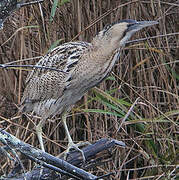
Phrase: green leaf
{"type": "Point", "coordinates": [174, 74]}
{"type": "Point", "coordinates": [53, 10]}
{"type": "Point", "coordinates": [63, 2]}
{"type": "Point", "coordinates": [55, 44]}
{"type": "Point", "coordinates": [101, 111]}
{"type": "Point", "coordinates": [112, 78]}
{"type": "Point", "coordinates": [112, 106]}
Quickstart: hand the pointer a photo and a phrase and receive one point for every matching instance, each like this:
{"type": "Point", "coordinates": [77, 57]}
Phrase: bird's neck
{"type": "Point", "coordinates": [106, 47]}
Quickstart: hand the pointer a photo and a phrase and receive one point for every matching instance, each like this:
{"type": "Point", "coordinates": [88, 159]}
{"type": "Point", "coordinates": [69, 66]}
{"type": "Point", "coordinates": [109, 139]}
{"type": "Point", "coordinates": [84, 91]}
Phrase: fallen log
{"type": "Point", "coordinates": [56, 167]}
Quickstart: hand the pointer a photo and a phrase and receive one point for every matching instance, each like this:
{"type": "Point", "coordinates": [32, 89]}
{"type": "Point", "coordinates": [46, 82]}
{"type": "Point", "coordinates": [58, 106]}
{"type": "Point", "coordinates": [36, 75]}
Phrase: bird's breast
{"type": "Point", "coordinates": [93, 70]}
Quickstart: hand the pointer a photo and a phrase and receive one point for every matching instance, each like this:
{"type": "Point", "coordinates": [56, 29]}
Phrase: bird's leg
{"type": "Point", "coordinates": [39, 133]}
{"type": "Point", "coordinates": [71, 145]}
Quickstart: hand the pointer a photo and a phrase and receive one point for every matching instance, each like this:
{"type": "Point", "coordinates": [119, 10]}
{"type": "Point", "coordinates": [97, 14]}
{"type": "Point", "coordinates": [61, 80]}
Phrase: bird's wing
{"type": "Point", "coordinates": [44, 84]}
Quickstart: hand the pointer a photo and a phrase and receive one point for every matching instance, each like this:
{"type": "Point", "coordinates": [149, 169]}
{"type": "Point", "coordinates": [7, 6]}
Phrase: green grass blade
{"type": "Point", "coordinates": [53, 10]}
{"type": "Point", "coordinates": [63, 2]}
{"type": "Point", "coordinates": [101, 112]}
{"type": "Point", "coordinates": [55, 44]}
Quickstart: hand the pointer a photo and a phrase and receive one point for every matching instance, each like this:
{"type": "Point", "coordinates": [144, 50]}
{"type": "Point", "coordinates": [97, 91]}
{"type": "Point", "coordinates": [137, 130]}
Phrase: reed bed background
{"type": "Point", "coordinates": [143, 85]}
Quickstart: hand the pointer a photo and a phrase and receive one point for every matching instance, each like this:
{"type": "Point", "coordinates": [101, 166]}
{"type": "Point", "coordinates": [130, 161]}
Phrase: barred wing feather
{"type": "Point", "coordinates": [43, 84]}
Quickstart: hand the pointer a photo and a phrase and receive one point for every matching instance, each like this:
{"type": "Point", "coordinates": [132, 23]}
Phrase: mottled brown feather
{"type": "Point", "coordinates": [81, 66]}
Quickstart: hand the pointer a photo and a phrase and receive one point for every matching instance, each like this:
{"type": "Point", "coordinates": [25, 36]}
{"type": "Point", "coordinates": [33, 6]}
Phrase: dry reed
{"type": "Point", "coordinates": [148, 70]}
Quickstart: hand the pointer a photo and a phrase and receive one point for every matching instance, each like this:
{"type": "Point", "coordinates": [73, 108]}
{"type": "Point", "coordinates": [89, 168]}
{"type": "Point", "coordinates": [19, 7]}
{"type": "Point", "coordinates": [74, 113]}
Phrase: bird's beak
{"type": "Point", "coordinates": [146, 23]}
{"type": "Point", "coordinates": [141, 24]}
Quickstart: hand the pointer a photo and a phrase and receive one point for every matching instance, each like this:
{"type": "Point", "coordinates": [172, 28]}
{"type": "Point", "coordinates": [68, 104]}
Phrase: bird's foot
{"type": "Point", "coordinates": [71, 146]}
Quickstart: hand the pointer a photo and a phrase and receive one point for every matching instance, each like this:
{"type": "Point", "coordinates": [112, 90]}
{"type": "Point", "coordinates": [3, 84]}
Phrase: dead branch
{"type": "Point", "coordinates": [43, 158]}
{"type": "Point", "coordinates": [7, 7]}
{"type": "Point", "coordinates": [27, 67]}
{"type": "Point", "coordinates": [93, 153]}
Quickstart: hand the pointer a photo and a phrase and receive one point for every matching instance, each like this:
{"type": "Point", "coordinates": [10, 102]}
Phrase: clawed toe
{"type": "Point", "coordinates": [72, 146]}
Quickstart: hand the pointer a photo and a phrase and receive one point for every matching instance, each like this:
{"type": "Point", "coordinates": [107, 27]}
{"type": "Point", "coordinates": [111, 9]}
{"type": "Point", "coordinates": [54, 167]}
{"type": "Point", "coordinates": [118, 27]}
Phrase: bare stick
{"type": "Point", "coordinates": [7, 7]}
{"type": "Point", "coordinates": [95, 154]}
{"type": "Point", "coordinates": [43, 157]}
{"type": "Point", "coordinates": [153, 37]}
{"type": "Point", "coordinates": [21, 4]}
{"type": "Point", "coordinates": [29, 66]}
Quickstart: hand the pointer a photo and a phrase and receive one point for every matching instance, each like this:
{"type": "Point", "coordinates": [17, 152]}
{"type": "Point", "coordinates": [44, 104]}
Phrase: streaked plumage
{"type": "Point", "coordinates": [46, 87]}
{"type": "Point", "coordinates": [82, 66]}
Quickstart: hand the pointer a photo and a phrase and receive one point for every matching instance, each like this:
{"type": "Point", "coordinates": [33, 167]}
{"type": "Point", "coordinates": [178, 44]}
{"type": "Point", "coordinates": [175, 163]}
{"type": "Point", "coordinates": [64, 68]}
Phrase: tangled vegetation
{"type": "Point", "coordinates": [137, 104]}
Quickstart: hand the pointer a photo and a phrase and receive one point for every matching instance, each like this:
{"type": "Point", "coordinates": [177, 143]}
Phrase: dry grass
{"type": "Point", "coordinates": [148, 70]}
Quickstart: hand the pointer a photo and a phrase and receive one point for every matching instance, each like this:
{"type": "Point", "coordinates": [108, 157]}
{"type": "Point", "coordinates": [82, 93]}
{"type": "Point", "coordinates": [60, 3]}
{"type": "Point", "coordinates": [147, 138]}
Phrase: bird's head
{"type": "Point", "coordinates": [120, 32]}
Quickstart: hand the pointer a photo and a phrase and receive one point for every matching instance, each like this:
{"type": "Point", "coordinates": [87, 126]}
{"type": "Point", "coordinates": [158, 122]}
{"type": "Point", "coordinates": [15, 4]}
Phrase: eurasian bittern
{"type": "Point", "coordinates": [81, 66]}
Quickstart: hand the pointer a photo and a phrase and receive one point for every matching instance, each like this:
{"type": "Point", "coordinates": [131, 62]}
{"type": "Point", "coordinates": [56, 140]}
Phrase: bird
{"type": "Point", "coordinates": [79, 66]}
